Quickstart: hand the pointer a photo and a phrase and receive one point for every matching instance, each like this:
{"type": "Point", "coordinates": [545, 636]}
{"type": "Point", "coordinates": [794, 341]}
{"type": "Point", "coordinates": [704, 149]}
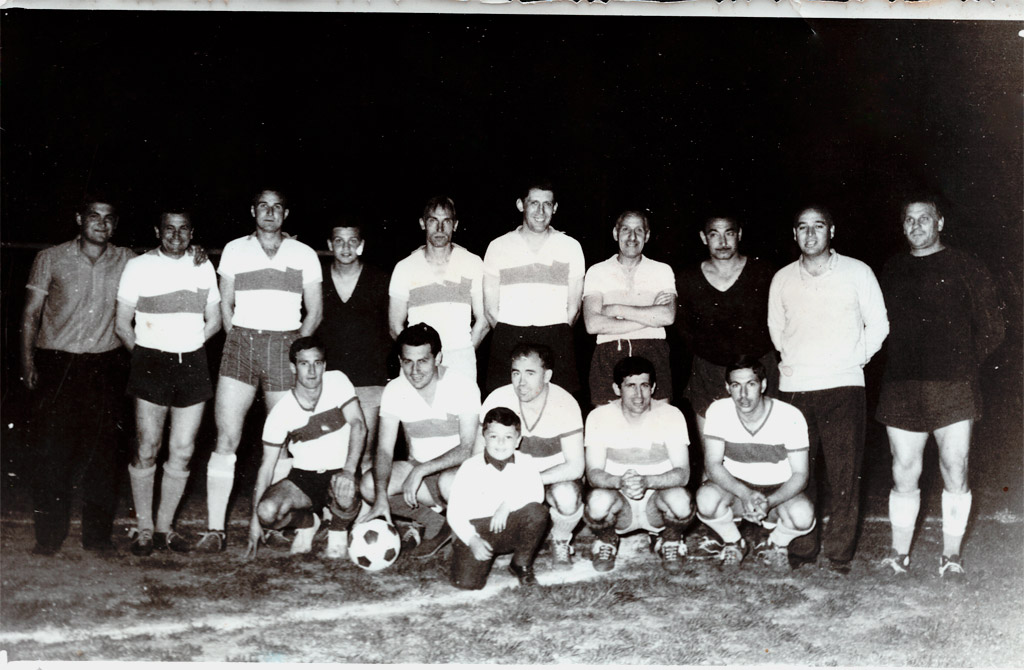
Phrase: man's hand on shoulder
{"type": "Point", "coordinates": [199, 255]}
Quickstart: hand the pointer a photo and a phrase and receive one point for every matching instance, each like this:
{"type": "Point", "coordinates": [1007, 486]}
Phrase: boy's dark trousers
{"type": "Point", "coordinates": [524, 531]}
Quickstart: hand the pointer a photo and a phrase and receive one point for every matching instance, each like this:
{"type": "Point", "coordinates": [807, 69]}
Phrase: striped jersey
{"type": "Point", "coordinates": [761, 456]}
{"type": "Point", "coordinates": [170, 296]}
{"type": "Point", "coordinates": [644, 447]}
{"type": "Point", "coordinates": [318, 438]}
{"type": "Point", "coordinates": [560, 418]}
{"type": "Point", "coordinates": [638, 288]}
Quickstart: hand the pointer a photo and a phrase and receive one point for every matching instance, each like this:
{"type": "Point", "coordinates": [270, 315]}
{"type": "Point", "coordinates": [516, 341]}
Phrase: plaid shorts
{"type": "Point", "coordinates": [259, 358]}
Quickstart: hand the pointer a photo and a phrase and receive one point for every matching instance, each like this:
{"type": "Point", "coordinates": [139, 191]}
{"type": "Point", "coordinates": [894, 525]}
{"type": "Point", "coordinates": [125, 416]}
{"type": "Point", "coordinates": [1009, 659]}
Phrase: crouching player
{"type": "Point", "coordinates": [321, 424]}
{"type": "Point", "coordinates": [637, 464]}
{"type": "Point", "coordinates": [756, 461]}
{"type": "Point", "coordinates": [497, 506]}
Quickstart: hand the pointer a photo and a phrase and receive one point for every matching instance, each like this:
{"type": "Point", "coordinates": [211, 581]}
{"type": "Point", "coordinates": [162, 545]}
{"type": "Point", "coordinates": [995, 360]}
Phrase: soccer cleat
{"type": "Point", "coordinates": [431, 545]}
{"type": "Point", "coordinates": [171, 540]}
{"type": "Point", "coordinates": [672, 553]}
{"type": "Point", "coordinates": [410, 539]}
{"type": "Point", "coordinates": [951, 568]}
{"type": "Point", "coordinates": [212, 542]}
{"type": "Point", "coordinates": [768, 553]}
{"type": "Point", "coordinates": [337, 544]}
{"type": "Point", "coordinates": [708, 547]}
{"type": "Point", "coordinates": [142, 541]}
{"type": "Point", "coordinates": [839, 567]}
{"type": "Point", "coordinates": [524, 574]}
{"type": "Point", "coordinates": [603, 555]}
{"type": "Point", "coordinates": [733, 553]}
{"type": "Point", "coordinates": [303, 542]}
{"type": "Point", "coordinates": [562, 552]}
{"type": "Point", "coordinates": [897, 562]}
{"type": "Point", "coordinates": [277, 539]}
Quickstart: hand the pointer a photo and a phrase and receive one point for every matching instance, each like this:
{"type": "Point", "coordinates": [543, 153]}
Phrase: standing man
{"type": "Point", "coordinates": [723, 304]}
{"type": "Point", "coordinates": [321, 425]}
{"type": "Point", "coordinates": [441, 284]}
{"type": "Point", "coordinates": [827, 317]}
{"type": "Point", "coordinates": [627, 302]}
{"type": "Point", "coordinates": [175, 305]}
{"type": "Point", "coordinates": [945, 322]}
{"type": "Point", "coordinates": [266, 279]}
{"type": "Point", "coordinates": [71, 363]}
{"type": "Point", "coordinates": [756, 460]}
{"type": "Point", "coordinates": [552, 434]}
{"type": "Point", "coordinates": [638, 467]}
{"type": "Point", "coordinates": [355, 324]}
{"type": "Point", "coordinates": [440, 412]}
{"type": "Point", "coordinates": [533, 289]}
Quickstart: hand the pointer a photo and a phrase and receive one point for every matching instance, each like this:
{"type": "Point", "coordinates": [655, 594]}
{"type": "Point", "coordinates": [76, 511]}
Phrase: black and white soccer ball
{"type": "Point", "coordinates": [374, 545]}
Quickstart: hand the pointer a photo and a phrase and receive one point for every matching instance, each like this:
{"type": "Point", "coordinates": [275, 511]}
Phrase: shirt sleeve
{"type": "Point", "coordinates": [228, 265]}
{"type": "Point", "coordinates": [666, 279]}
{"type": "Point", "coordinates": [577, 264]}
{"type": "Point", "coordinates": [128, 285]}
{"type": "Point", "coordinates": [491, 266]}
{"type": "Point", "coordinates": [40, 276]}
{"type": "Point", "coordinates": [312, 272]}
{"type": "Point", "coordinates": [390, 401]}
{"type": "Point", "coordinates": [988, 325]}
{"type": "Point", "coordinates": [469, 396]}
{"type": "Point", "coordinates": [872, 309]}
{"type": "Point", "coordinates": [592, 284]}
{"type": "Point", "coordinates": [274, 431]}
{"type": "Point", "coordinates": [399, 285]}
{"type": "Point", "coordinates": [777, 310]}
{"type": "Point", "coordinates": [209, 279]}
{"type": "Point", "coordinates": [797, 439]}
{"type": "Point", "coordinates": [459, 503]}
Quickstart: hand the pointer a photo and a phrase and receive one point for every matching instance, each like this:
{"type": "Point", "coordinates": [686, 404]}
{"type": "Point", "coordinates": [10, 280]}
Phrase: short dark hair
{"type": "Point", "coordinates": [746, 362]}
{"type": "Point", "coordinates": [276, 191]}
{"type": "Point", "coordinates": [417, 335]}
{"type": "Point", "coordinates": [303, 343]}
{"type": "Point", "coordinates": [734, 220]}
{"type": "Point", "coordinates": [349, 221]}
{"type": "Point", "coordinates": [90, 199]}
{"type": "Point", "coordinates": [172, 211]}
{"type": "Point", "coordinates": [527, 349]}
{"type": "Point", "coordinates": [634, 365]}
{"type": "Point", "coordinates": [439, 201]}
{"type": "Point", "coordinates": [633, 212]}
{"type": "Point", "coordinates": [825, 214]}
{"type": "Point", "coordinates": [503, 416]}
{"type": "Point", "coordinates": [923, 199]}
{"type": "Point", "coordinates": [540, 184]}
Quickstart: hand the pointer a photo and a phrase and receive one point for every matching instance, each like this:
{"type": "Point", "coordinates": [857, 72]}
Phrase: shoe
{"type": "Point", "coordinates": [951, 568]}
{"type": "Point", "coordinates": [410, 539]}
{"type": "Point", "coordinates": [212, 542]}
{"type": "Point", "coordinates": [278, 539]}
{"type": "Point", "coordinates": [772, 555]}
{"type": "Point", "coordinates": [303, 542]}
{"type": "Point", "coordinates": [337, 544]}
{"type": "Point", "coordinates": [431, 545]}
{"type": "Point", "coordinates": [708, 547]}
{"type": "Point", "coordinates": [839, 567]}
{"type": "Point", "coordinates": [603, 555]}
{"type": "Point", "coordinates": [796, 562]}
{"type": "Point", "coordinates": [44, 550]}
{"type": "Point", "coordinates": [101, 547]}
{"type": "Point", "coordinates": [733, 553]}
{"type": "Point", "coordinates": [562, 552]}
{"type": "Point", "coordinates": [672, 553]}
{"type": "Point", "coordinates": [142, 541]}
{"type": "Point", "coordinates": [897, 562]}
{"type": "Point", "coordinates": [524, 574]}
{"type": "Point", "coordinates": [171, 540]}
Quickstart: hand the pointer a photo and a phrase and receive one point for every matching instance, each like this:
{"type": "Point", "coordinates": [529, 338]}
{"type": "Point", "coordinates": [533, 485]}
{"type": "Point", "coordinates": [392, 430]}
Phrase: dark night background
{"type": "Point", "coordinates": [372, 114]}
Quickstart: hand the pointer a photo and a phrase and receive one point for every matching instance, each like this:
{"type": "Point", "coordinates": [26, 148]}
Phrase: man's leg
{"type": "Point", "coordinates": [100, 388]}
{"type": "Point", "coordinates": [605, 511]}
{"type": "Point", "coordinates": [842, 445]}
{"type": "Point", "coordinates": [467, 572]}
{"type": "Point", "coordinates": [181, 445]}
{"type": "Point", "coordinates": [343, 513]}
{"type": "Point", "coordinates": [804, 549]}
{"type": "Point", "coordinates": [432, 521]}
{"type": "Point", "coordinates": [793, 518]}
{"type": "Point", "coordinates": [954, 443]}
{"type": "Point", "coordinates": [672, 510]}
{"type": "Point", "coordinates": [715, 508]}
{"type": "Point", "coordinates": [149, 432]}
{"type": "Point", "coordinates": [566, 502]}
{"type": "Point", "coordinates": [907, 449]}
{"type": "Point", "coordinates": [524, 531]}
{"type": "Point", "coordinates": [286, 505]}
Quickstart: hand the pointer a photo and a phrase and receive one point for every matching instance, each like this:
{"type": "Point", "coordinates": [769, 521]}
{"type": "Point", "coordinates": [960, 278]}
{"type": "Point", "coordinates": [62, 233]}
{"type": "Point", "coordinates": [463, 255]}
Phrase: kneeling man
{"type": "Point", "coordinates": [322, 426]}
{"type": "Point", "coordinates": [497, 506]}
{"type": "Point", "coordinates": [755, 456]}
{"type": "Point", "coordinates": [637, 465]}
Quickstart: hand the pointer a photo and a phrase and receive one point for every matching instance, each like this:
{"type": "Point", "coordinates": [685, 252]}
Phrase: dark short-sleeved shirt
{"type": "Point", "coordinates": [356, 332]}
{"type": "Point", "coordinates": [721, 325]}
{"type": "Point", "coordinates": [944, 316]}
{"type": "Point", "coordinates": [81, 297]}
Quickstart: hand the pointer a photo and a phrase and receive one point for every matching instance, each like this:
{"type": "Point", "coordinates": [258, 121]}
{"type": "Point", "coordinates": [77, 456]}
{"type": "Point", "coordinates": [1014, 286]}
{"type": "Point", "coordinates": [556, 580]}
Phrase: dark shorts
{"type": "Point", "coordinates": [607, 354]}
{"type": "Point", "coordinates": [317, 487]}
{"type": "Point", "coordinates": [170, 380]}
{"type": "Point", "coordinates": [259, 358]}
{"type": "Point", "coordinates": [558, 337]}
{"type": "Point", "coordinates": [923, 406]}
{"type": "Point", "coordinates": [707, 381]}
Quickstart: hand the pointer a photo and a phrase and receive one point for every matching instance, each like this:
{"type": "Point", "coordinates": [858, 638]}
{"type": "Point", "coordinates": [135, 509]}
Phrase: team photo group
{"type": "Point", "coordinates": [533, 456]}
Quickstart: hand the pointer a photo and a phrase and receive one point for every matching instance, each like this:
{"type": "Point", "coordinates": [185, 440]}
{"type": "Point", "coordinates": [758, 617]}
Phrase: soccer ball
{"type": "Point", "coordinates": [374, 545]}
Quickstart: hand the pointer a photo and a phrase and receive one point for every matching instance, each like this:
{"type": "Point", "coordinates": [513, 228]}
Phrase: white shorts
{"type": "Point", "coordinates": [638, 517]}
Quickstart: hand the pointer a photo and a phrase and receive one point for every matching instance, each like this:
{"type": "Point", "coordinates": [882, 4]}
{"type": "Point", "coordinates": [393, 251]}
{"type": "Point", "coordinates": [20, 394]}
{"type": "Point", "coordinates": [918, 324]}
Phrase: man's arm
{"type": "Point", "coordinates": [678, 476]}
{"type": "Point", "coordinates": [30, 316]}
{"type": "Point", "coordinates": [398, 312]}
{"type": "Point", "coordinates": [661, 313]}
{"type": "Point", "coordinates": [271, 452]}
{"type": "Point", "coordinates": [714, 455]}
{"type": "Point", "coordinates": [491, 291]}
{"type": "Point", "coordinates": [596, 459]}
{"type": "Point", "coordinates": [212, 318]}
{"type": "Point", "coordinates": [598, 323]}
{"type": "Point", "coordinates": [468, 427]}
{"type": "Point", "coordinates": [227, 301]}
{"type": "Point", "coordinates": [481, 324]}
{"type": "Point", "coordinates": [387, 435]}
{"type": "Point", "coordinates": [797, 481]}
{"type": "Point", "coordinates": [575, 299]}
{"type": "Point", "coordinates": [344, 484]}
{"type": "Point", "coordinates": [776, 312]}
{"type": "Point", "coordinates": [575, 462]}
{"type": "Point", "coordinates": [872, 310]}
{"type": "Point", "coordinates": [986, 311]}
{"type": "Point", "coordinates": [123, 324]}
{"type": "Point", "coordinates": [313, 301]}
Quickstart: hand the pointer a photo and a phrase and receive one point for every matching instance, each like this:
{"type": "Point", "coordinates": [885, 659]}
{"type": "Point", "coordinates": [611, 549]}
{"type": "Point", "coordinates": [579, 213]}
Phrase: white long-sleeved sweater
{"type": "Point", "coordinates": [479, 489]}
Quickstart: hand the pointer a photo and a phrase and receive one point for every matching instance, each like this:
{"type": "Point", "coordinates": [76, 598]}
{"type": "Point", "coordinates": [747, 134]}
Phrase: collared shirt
{"type": "Point", "coordinates": [617, 286]}
{"type": "Point", "coordinates": [761, 456]}
{"type": "Point", "coordinates": [479, 489]}
{"type": "Point", "coordinates": [81, 297]}
{"type": "Point", "coordinates": [561, 417]}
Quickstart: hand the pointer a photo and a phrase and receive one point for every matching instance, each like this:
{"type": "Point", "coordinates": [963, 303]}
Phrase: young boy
{"type": "Point", "coordinates": [496, 506]}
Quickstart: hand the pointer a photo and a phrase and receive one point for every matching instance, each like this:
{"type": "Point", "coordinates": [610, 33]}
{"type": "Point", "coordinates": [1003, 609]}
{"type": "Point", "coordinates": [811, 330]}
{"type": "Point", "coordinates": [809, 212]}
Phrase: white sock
{"type": "Point", "coordinates": [903, 511]}
{"type": "Point", "coordinates": [172, 487]}
{"type": "Point", "coordinates": [724, 525]}
{"type": "Point", "coordinates": [220, 477]}
{"type": "Point", "coordinates": [783, 534]}
{"type": "Point", "coordinates": [956, 508]}
{"type": "Point", "coordinates": [142, 495]}
{"type": "Point", "coordinates": [281, 469]}
{"type": "Point", "coordinates": [562, 525]}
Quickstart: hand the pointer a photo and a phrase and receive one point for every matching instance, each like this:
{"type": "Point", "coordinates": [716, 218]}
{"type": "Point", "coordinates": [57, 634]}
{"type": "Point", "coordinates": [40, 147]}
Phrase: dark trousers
{"type": "Point", "coordinates": [522, 536]}
{"type": "Point", "coordinates": [74, 431]}
{"type": "Point", "coordinates": [835, 426]}
{"type": "Point", "coordinates": [558, 338]}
